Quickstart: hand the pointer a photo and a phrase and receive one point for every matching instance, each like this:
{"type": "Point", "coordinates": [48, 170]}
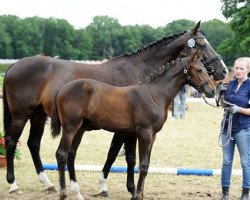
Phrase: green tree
{"type": "Point", "coordinates": [10, 22]}
{"type": "Point", "coordinates": [178, 26]}
{"type": "Point", "coordinates": [230, 7]}
{"type": "Point", "coordinates": [217, 32]}
{"type": "Point", "coordinates": [105, 32]}
{"type": "Point", "coordinates": [64, 39]}
{"type": "Point", "coordinates": [28, 37]}
{"type": "Point", "coordinates": [50, 30]}
{"type": "Point", "coordinates": [5, 43]}
{"type": "Point", "coordinates": [148, 34]}
{"type": "Point", "coordinates": [83, 44]}
{"type": "Point", "coordinates": [239, 13]}
{"type": "Point", "coordinates": [131, 39]}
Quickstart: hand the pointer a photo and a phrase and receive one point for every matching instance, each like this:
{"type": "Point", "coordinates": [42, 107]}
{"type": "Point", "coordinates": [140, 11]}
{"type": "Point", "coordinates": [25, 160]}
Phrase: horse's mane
{"type": "Point", "coordinates": [150, 76]}
{"type": "Point", "coordinates": [161, 42]}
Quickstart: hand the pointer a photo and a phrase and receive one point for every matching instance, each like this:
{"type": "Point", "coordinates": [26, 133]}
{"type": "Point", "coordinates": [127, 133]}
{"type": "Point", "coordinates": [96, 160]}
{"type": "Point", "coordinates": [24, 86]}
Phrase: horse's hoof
{"type": "Point", "coordinates": [102, 194]}
{"type": "Point", "coordinates": [51, 189]}
{"type": "Point", "coordinates": [63, 195]}
{"type": "Point", "coordinates": [137, 197]}
{"type": "Point", "coordinates": [16, 191]}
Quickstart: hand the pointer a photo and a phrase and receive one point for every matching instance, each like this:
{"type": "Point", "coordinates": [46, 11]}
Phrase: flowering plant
{"type": "Point", "coordinates": [3, 147]}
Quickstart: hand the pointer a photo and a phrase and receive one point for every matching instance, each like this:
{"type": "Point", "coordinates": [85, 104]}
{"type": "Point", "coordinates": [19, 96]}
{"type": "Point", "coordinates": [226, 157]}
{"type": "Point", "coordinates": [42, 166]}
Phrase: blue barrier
{"type": "Point", "coordinates": [155, 170]}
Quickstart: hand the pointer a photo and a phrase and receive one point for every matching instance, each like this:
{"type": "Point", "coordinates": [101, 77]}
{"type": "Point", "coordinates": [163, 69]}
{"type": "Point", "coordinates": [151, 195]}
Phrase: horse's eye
{"type": "Point", "coordinates": [199, 70]}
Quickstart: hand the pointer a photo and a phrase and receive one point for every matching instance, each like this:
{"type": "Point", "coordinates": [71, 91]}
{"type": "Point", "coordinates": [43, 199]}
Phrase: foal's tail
{"type": "Point", "coordinates": [7, 119]}
{"type": "Point", "coordinates": [55, 121]}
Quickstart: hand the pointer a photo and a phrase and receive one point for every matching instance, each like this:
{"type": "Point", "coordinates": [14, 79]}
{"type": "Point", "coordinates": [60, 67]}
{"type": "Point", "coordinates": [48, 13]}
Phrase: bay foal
{"type": "Point", "coordinates": [138, 110]}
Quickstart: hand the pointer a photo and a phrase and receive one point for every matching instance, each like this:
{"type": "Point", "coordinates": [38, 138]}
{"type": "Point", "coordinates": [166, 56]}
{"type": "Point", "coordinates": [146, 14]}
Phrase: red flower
{"type": "Point", "coordinates": [2, 142]}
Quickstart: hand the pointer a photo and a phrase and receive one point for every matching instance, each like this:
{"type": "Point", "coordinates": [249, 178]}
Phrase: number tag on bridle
{"type": "Point", "coordinates": [191, 43]}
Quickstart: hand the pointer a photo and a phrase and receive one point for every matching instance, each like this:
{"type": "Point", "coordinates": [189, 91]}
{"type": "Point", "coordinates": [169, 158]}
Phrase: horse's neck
{"type": "Point", "coordinates": [167, 85]}
{"type": "Point", "coordinates": [156, 56]}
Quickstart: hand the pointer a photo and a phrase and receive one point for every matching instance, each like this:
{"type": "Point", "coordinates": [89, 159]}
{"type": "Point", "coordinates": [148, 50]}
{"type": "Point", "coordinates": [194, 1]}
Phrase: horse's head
{"type": "Point", "coordinates": [211, 60]}
{"type": "Point", "coordinates": [197, 75]}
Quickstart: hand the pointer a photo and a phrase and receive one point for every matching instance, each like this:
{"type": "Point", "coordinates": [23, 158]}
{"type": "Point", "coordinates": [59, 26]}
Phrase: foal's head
{"type": "Point", "coordinates": [197, 75]}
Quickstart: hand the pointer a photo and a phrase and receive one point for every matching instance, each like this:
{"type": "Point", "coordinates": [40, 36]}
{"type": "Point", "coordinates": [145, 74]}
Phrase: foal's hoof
{"type": "Point", "coordinates": [102, 194]}
{"type": "Point", "coordinates": [51, 189]}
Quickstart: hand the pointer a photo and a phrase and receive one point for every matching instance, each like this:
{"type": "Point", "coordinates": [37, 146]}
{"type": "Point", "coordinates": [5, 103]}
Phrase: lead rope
{"type": "Point", "coordinates": [205, 100]}
{"type": "Point", "coordinates": [229, 128]}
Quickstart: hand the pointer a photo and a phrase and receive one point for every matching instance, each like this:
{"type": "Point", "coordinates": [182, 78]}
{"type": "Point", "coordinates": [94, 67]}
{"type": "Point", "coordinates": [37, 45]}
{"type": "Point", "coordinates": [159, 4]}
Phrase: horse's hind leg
{"type": "Point", "coordinates": [37, 122]}
{"type": "Point", "coordinates": [12, 137]}
{"type": "Point", "coordinates": [115, 146]}
{"type": "Point", "coordinates": [71, 163]}
{"type": "Point", "coordinates": [130, 149]}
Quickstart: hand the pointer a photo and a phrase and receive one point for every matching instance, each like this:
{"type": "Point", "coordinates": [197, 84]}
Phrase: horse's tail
{"type": "Point", "coordinates": [7, 119]}
{"type": "Point", "coordinates": [55, 121]}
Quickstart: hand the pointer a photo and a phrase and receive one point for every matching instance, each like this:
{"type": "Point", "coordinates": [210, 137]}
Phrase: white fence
{"type": "Point", "coordinates": [11, 61]}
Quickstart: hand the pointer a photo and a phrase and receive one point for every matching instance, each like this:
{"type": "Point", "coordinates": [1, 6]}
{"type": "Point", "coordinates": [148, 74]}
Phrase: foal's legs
{"type": "Point", "coordinates": [130, 149]}
{"type": "Point", "coordinates": [146, 140]}
{"type": "Point", "coordinates": [115, 146]}
{"type": "Point", "coordinates": [71, 162]}
{"type": "Point", "coordinates": [37, 122]}
{"type": "Point", "coordinates": [69, 131]}
{"type": "Point", "coordinates": [12, 136]}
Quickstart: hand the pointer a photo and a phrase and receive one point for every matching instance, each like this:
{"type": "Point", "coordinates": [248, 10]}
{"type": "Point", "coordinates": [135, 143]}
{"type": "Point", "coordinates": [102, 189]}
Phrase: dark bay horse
{"type": "Point", "coordinates": [31, 84]}
{"type": "Point", "coordinates": [138, 110]}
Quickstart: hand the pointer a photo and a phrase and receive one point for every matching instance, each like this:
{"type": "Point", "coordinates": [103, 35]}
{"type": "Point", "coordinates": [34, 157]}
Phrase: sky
{"type": "Point", "coordinates": [80, 13]}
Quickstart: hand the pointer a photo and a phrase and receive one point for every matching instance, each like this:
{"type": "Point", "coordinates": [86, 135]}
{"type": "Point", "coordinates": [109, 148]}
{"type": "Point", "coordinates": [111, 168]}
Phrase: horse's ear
{"type": "Point", "coordinates": [196, 28]}
{"type": "Point", "coordinates": [197, 54]}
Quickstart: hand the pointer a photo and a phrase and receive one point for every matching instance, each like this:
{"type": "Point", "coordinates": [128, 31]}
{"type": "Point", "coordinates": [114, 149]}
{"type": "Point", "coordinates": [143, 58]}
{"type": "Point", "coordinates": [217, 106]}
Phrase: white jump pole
{"type": "Point", "coordinates": [152, 170]}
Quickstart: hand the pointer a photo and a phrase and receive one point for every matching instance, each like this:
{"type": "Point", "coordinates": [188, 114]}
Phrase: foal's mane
{"type": "Point", "coordinates": [161, 42]}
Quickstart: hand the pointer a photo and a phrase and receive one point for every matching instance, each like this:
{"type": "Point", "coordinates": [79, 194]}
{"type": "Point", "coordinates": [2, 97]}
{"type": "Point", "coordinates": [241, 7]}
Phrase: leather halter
{"type": "Point", "coordinates": [207, 62]}
{"type": "Point", "coordinates": [189, 78]}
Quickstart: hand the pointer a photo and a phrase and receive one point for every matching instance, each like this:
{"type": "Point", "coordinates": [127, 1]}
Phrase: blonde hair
{"type": "Point", "coordinates": [244, 60]}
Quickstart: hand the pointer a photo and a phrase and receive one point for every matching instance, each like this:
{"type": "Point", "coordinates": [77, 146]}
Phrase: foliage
{"type": "Point", "coordinates": [230, 7]}
{"type": "Point", "coordinates": [18, 153]}
{"type": "Point", "coordinates": [178, 26]}
{"type": "Point", "coordinates": [103, 38]}
{"type": "Point", "coordinates": [5, 42]}
{"type": "Point", "coordinates": [105, 32]}
{"type": "Point", "coordinates": [239, 13]}
{"type": "Point", "coordinates": [131, 39]}
{"type": "Point", "coordinates": [212, 28]}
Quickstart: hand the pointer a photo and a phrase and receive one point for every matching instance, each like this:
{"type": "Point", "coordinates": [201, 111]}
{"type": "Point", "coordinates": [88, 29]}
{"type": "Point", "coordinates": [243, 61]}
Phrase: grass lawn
{"type": "Point", "coordinates": [189, 143]}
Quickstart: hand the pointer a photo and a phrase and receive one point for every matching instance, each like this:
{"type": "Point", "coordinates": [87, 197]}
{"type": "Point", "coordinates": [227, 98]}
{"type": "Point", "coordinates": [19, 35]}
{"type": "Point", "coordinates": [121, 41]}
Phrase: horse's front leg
{"type": "Point", "coordinates": [130, 149]}
{"type": "Point", "coordinates": [36, 132]}
{"type": "Point", "coordinates": [146, 140]}
{"type": "Point", "coordinates": [115, 146]}
{"type": "Point", "coordinates": [62, 156]}
{"type": "Point", "coordinates": [71, 163]}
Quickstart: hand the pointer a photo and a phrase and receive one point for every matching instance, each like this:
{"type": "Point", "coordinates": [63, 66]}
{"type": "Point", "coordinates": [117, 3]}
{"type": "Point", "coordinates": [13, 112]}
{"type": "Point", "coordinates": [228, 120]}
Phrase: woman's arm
{"type": "Point", "coordinates": [245, 111]}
